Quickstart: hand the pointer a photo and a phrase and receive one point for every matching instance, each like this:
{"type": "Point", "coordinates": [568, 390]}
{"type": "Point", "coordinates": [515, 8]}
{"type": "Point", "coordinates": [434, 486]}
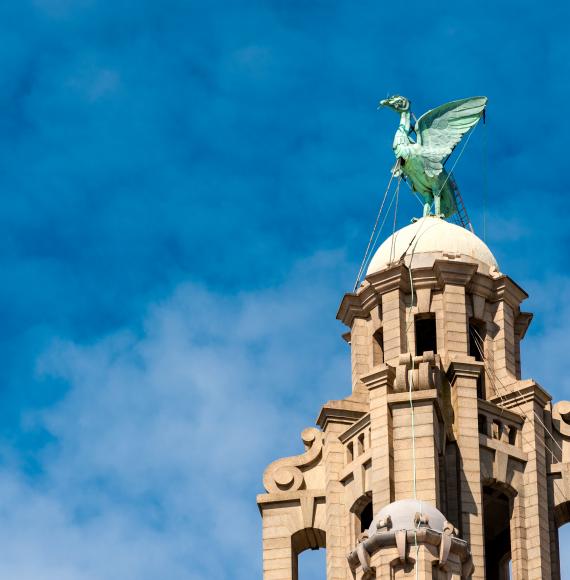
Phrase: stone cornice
{"type": "Point", "coordinates": [522, 323]}
{"type": "Point", "coordinates": [390, 279]}
{"type": "Point", "coordinates": [456, 273]}
{"type": "Point", "coordinates": [350, 308]}
{"type": "Point", "coordinates": [381, 376]}
{"type": "Point", "coordinates": [508, 290]}
{"type": "Point", "coordinates": [494, 289]}
{"type": "Point", "coordinates": [528, 390]}
{"type": "Point", "coordinates": [465, 367]}
{"type": "Point", "coordinates": [360, 303]}
{"type": "Point", "coordinates": [482, 285]}
{"type": "Point", "coordinates": [343, 412]}
{"type": "Point", "coordinates": [424, 278]}
{"type": "Point", "coordinates": [355, 428]}
{"type": "Point", "coordinates": [266, 500]}
{"type": "Point", "coordinates": [498, 411]}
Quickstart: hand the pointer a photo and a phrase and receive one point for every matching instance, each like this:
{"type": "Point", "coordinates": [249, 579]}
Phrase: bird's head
{"type": "Point", "coordinates": [398, 103]}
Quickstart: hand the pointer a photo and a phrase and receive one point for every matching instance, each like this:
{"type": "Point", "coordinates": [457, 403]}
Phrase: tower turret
{"type": "Point", "coordinates": [442, 458]}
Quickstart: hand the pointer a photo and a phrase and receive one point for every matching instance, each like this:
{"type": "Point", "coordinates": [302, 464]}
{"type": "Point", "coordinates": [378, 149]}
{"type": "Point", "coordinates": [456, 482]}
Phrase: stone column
{"type": "Point", "coordinates": [507, 310]}
{"type": "Point", "coordinates": [504, 343]}
{"type": "Point", "coordinates": [454, 277]}
{"type": "Point", "coordinates": [333, 420]}
{"type": "Point", "coordinates": [279, 562]}
{"type": "Point", "coordinates": [394, 325]}
{"type": "Point", "coordinates": [382, 486]}
{"type": "Point", "coordinates": [554, 543]}
{"type": "Point", "coordinates": [426, 453]}
{"type": "Point", "coordinates": [463, 375]}
{"type": "Point", "coordinates": [532, 556]}
{"type": "Point", "coordinates": [360, 350]}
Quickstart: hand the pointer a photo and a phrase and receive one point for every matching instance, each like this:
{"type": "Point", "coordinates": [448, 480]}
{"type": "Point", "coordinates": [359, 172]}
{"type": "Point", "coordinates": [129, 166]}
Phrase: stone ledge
{"type": "Point", "coordinates": [354, 429]}
{"type": "Point", "coordinates": [525, 391]}
{"type": "Point", "coordinates": [464, 367]}
{"type": "Point", "coordinates": [497, 411]}
{"type": "Point", "coordinates": [343, 411]}
{"type": "Point", "coordinates": [417, 396]}
{"type": "Point", "coordinates": [291, 497]}
{"type": "Point", "coordinates": [495, 445]}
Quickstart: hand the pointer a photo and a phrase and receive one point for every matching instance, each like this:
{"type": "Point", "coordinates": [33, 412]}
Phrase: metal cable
{"type": "Point", "coordinates": [492, 375]}
{"type": "Point", "coordinates": [394, 169]}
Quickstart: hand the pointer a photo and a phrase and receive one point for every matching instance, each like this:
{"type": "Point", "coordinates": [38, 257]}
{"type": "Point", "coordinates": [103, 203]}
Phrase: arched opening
{"type": "Point", "coordinates": [562, 520]}
{"type": "Point", "coordinates": [312, 565]}
{"type": "Point", "coordinates": [366, 516]}
{"type": "Point", "coordinates": [378, 348]}
{"type": "Point", "coordinates": [564, 542]}
{"type": "Point", "coordinates": [362, 516]}
{"type": "Point", "coordinates": [309, 554]}
{"type": "Point", "coordinates": [360, 443]}
{"type": "Point", "coordinates": [497, 511]}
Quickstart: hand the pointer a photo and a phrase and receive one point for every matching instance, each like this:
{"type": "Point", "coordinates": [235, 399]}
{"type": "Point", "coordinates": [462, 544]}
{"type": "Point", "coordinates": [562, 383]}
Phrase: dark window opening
{"type": "Point", "coordinates": [361, 444]}
{"type": "Point", "coordinates": [426, 339]}
{"type": "Point", "coordinates": [349, 452]}
{"type": "Point", "coordinates": [477, 351]}
{"type": "Point", "coordinates": [378, 348]}
{"type": "Point", "coordinates": [483, 425]}
{"type": "Point", "coordinates": [366, 516]}
{"type": "Point", "coordinates": [481, 386]}
{"type": "Point", "coordinates": [497, 528]}
{"type": "Point", "coordinates": [476, 340]}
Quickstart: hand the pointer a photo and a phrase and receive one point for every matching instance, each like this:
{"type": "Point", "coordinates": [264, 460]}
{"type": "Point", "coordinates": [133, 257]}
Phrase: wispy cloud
{"type": "Point", "coordinates": [153, 149]}
{"type": "Point", "coordinates": [159, 445]}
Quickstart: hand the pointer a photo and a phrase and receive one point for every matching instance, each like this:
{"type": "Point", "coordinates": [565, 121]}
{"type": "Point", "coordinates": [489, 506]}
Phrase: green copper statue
{"type": "Point", "coordinates": [437, 133]}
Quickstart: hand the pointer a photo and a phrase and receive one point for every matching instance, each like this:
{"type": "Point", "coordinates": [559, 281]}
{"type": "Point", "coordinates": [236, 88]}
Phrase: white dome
{"type": "Point", "coordinates": [432, 238]}
{"type": "Point", "coordinates": [403, 513]}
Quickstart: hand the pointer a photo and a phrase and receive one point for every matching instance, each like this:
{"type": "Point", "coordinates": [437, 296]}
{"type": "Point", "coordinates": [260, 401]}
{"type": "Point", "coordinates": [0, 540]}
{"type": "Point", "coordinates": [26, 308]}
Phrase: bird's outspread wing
{"type": "Point", "coordinates": [441, 129]}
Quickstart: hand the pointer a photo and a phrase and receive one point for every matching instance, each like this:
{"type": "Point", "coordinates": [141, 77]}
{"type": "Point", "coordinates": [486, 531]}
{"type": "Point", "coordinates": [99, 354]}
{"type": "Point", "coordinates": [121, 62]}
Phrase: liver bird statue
{"type": "Point", "coordinates": [421, 161]}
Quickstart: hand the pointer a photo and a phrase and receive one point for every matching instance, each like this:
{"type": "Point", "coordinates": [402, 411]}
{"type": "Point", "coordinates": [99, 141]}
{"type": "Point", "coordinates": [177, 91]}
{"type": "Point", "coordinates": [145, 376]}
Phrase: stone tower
{"type": "Point", "coordinates": [443, 462]}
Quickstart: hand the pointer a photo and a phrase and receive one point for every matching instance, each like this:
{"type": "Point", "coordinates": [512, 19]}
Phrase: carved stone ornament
{"type": "Point", "coordinates": [287, 474]}
{"type": "Point", "coordinates": [561, 417]}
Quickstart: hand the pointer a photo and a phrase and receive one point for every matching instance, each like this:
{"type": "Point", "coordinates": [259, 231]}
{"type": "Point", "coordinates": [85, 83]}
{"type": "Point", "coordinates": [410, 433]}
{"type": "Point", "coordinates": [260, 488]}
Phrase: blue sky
{"type": "Point", "coordinates": [188, 188]}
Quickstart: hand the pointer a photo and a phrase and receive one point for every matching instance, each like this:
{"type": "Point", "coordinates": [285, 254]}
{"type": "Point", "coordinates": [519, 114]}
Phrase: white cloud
{"type": "Point", "coordinates": [161, 441]}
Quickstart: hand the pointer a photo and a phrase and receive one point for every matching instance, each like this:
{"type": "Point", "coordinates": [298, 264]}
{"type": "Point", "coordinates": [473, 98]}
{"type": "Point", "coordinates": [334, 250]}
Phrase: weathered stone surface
{"type": "Point", "coordinates": [465, 436]}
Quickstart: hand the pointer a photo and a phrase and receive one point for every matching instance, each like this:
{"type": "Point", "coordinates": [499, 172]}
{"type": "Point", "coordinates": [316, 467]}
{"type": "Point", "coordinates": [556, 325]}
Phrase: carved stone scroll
{"type": "Point", "coordinates": [561, 417]}
{"type": "Point", "coordinates": [287, 474]}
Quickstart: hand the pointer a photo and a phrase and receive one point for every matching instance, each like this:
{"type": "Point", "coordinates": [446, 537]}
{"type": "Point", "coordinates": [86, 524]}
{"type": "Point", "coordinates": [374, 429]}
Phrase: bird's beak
{"type": "Point", "coordinates": [382, 103]}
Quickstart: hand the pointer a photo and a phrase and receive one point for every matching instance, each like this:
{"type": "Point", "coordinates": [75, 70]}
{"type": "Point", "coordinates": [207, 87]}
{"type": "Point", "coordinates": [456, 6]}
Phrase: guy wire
{"type": "Point", "coordinates": [362, 265]}
{"type": "Point", "coordinates": [492, 375]}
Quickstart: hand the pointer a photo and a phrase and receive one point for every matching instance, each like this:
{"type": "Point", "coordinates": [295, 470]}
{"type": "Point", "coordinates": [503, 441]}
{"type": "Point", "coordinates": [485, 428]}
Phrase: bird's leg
{"type": "Point", "coordinates": [427, 206]}
{"type": "Point", "coordinates": [437, 208]}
